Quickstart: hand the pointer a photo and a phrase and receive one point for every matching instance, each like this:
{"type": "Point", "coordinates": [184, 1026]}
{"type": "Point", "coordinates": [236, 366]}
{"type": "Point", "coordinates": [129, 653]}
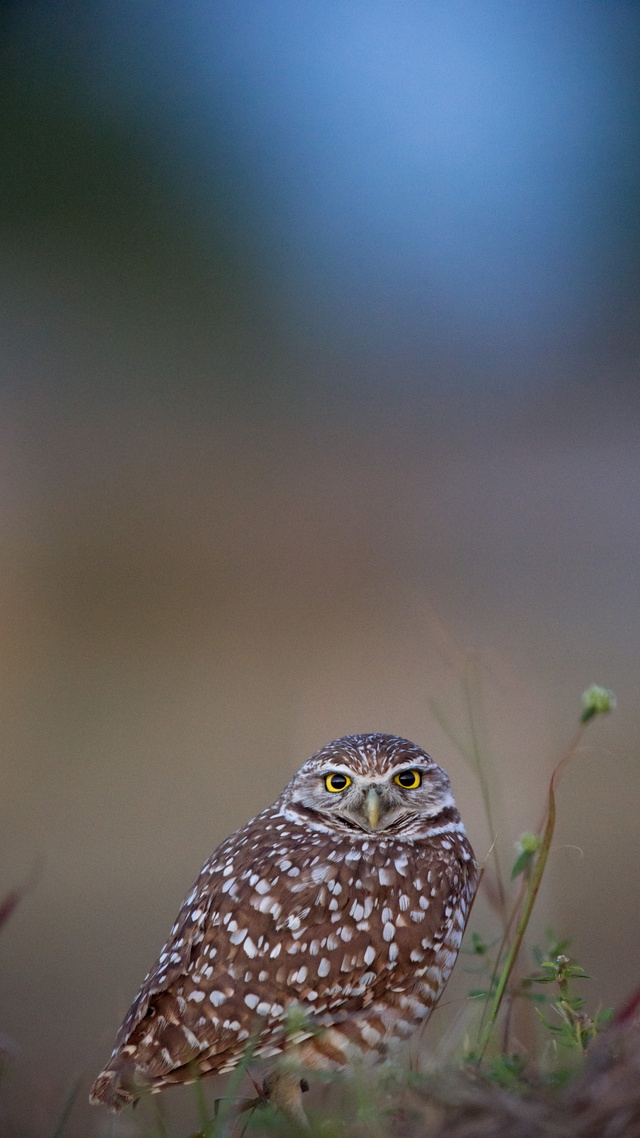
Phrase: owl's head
{"type": "Point", "coordinates": [380, 784]}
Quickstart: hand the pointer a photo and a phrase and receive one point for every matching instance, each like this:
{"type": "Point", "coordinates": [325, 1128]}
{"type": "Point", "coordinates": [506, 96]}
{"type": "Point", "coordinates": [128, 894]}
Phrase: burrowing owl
{"type": "Point", "coordinates": [327, 926]}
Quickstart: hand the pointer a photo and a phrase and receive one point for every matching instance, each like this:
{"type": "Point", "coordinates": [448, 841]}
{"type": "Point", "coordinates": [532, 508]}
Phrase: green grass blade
{"type": "Point", "coordinates": [67, 1107]}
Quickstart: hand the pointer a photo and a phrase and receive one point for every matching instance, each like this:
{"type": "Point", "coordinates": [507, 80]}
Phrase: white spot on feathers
{"type": "Point", "coordinates": [370, 1034]}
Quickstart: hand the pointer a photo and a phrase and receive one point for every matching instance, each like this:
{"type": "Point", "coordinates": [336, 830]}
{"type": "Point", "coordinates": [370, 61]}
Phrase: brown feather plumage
{"type": "Point", "coordinates": [309, 912]}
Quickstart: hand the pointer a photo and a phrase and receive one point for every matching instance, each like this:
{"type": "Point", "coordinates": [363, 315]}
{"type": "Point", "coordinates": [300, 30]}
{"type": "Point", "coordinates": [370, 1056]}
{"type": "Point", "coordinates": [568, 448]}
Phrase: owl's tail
{"type": "Point", "coordinates": [114, 1087]}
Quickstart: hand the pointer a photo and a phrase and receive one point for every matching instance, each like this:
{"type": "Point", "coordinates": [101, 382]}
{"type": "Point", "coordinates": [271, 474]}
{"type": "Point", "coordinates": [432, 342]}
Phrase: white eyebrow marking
{"type": "Point", "coordinates": [341, 768]}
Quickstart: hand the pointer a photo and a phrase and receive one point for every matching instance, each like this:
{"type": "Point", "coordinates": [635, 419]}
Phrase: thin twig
{"type": "Point", "coordinates": [484, 790]}
{"type": "Point", "coordinates": [67, 1107]}
{"type": "Point", "coordinates": [531, 890]}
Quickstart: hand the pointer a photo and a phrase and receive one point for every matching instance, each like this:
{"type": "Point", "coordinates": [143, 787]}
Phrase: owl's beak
{"type": "Point", "coordinates": [372, 807]}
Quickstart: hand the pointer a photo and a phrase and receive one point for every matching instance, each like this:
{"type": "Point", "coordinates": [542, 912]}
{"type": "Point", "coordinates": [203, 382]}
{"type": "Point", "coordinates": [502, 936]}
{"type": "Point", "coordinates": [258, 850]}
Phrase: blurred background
{"type": "Point", "coordinates": [319, 338]}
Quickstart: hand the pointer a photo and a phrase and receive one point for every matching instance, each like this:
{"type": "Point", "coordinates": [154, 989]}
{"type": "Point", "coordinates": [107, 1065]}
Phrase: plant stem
{"type": "Point", "coordinates": [67, 1108]}
{"type": "Point", "coordinates": [201, 1104]}
{"type": "Point", "coordinates": [531, 894]}
{"type": "Point", "coordinates": [486, 796]}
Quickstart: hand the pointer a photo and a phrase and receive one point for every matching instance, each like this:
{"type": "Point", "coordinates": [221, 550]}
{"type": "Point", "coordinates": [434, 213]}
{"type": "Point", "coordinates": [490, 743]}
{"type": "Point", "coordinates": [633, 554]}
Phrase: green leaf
{"type": "Point", "coordinates": [522, 864]}
{"type": "Point", "coordinates": [479, 946]}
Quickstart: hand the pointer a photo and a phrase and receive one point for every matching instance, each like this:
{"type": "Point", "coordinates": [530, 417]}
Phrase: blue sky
{"type": "Point", "coordinates": [416, 171]}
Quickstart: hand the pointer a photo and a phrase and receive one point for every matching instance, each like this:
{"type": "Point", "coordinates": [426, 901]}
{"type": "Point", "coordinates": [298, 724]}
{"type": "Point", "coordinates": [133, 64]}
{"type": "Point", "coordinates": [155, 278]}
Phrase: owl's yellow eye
{"type": "Point", "coordinates": [410, 780]}
{"type": "Point", "coordinates": [337, 782]}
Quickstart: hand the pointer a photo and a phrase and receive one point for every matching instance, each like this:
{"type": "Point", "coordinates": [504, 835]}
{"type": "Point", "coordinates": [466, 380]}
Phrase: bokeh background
{"type": "Point", "coordinates": [319, 352]}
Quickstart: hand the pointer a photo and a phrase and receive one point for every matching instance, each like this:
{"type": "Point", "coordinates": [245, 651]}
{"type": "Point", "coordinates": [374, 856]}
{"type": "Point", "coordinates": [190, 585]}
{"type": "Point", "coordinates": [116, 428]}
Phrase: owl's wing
{"type": "Point", "coordinates": [154, 1037]}
{"type": "Point", "coordinates": [178, 953]}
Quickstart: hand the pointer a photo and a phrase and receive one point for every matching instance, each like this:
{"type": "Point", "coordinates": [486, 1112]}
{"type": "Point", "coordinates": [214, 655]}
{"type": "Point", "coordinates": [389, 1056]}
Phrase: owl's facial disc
{"type": "Point", "coordinates": [374, 807]}
{"type": "Point", "coordinates": [374, 804]}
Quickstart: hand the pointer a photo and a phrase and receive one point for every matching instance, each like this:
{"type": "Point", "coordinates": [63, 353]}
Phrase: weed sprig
{"type": "Point", "coordinates": [574, 1028]}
